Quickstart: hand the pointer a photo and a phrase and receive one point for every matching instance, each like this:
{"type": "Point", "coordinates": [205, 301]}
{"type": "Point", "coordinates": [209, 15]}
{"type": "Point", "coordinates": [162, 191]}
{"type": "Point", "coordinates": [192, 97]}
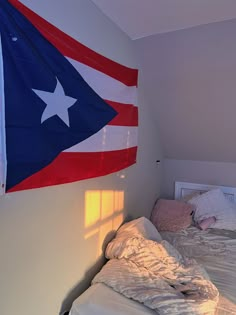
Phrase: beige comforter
{"type": "Point", "coordinates": [156, 275]}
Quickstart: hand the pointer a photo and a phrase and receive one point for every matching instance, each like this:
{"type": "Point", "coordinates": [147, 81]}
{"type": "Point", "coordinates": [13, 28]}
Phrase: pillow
{"type": "Point", "coordinates": [172, 215]}
{"type": "Point", "coordinates": [141, 227]}
{"type": "Point", "coordinates": [214, 204]}
{"type": "Point", "coordinates": [186, 198]}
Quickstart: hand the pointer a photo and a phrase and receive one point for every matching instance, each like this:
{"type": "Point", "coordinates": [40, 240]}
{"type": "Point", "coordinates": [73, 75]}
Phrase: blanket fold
{"type": "Point", "coordinates": [157, 275]}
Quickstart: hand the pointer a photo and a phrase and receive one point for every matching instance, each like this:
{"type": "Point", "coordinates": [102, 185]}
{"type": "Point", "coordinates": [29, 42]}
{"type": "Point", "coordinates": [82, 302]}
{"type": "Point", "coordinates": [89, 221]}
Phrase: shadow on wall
{"type": "Point", "coordinates": [103, 216]}
{"type": "Point", "coordinates": [81, 286]}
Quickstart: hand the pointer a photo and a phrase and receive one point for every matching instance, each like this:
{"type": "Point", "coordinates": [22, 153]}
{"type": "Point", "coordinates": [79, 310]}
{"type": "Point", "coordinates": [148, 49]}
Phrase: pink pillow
{"type": "Point", "coordinates": [206, 223]}
{"type": "Point", "coordinates": [172, 215]}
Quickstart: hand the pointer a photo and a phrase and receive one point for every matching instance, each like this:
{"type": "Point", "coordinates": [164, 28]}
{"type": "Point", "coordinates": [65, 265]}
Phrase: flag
{"type": "Point", "coordinates": [67, 112]}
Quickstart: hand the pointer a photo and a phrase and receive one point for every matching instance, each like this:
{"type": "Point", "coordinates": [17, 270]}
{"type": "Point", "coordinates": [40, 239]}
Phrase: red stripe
{"type": "Point", "coordinates": [127, 114]}
{"type": "Point", "coordinates": [71, 167]}
{"type": "Point", "coordinates": [71, 48]}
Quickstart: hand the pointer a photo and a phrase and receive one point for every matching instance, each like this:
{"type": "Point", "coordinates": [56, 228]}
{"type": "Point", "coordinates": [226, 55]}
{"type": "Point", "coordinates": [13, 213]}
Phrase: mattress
{"type": "Point", "coordinates": [99, 299]}
{"type": "Point", "coordinates": [215, 250]}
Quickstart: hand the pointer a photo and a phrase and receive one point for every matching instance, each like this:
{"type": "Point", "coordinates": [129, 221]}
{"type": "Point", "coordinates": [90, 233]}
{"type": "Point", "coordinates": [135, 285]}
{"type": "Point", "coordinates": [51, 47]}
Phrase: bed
{"type": "Point", "coordinates": [215, 249]}
{"type": "Point", "coordinates": [212, 249]}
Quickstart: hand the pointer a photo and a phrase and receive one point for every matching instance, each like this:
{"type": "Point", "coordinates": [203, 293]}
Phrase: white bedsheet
{"type": "Point", "coordinates": [99, 299]}
{"type": "Point", "coordinates": [215, 250]}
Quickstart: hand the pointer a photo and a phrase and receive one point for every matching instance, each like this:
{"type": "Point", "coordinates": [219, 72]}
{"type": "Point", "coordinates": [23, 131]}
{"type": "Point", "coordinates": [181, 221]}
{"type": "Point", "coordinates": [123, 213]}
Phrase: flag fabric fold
{"type": "Point", "coordinates": [67, 113]}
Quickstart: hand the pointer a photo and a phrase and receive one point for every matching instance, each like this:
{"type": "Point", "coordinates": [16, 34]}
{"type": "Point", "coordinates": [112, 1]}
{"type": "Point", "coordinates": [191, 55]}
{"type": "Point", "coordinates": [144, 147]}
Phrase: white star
{"type": "Point", "coordinates": [57, 103]}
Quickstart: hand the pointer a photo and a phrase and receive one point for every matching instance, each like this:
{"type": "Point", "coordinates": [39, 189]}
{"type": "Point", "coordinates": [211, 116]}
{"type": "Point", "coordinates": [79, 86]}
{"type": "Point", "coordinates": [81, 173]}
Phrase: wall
{"type": "Point", "coordinates": [213, 173]}
{"type": "Point", "coordinates": [51, 239]}
{"type": "Point", "coordinates": [189, 77]}
{"type": "Point", "coordinates": [190, 80]}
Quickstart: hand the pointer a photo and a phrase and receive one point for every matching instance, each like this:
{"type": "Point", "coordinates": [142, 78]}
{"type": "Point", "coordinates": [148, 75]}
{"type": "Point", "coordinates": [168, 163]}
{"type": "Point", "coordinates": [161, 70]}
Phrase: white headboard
{"type": "Point", "coordinates": [183, 189]}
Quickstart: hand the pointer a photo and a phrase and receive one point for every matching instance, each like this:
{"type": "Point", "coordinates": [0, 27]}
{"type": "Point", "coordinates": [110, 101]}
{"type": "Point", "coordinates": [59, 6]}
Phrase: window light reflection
{"type": "Point", "coordinates": [103, 215]}
{"type": "Point", "coordinates": [92, 207]}
{"type": "Point", "coordinates": [101, 204]}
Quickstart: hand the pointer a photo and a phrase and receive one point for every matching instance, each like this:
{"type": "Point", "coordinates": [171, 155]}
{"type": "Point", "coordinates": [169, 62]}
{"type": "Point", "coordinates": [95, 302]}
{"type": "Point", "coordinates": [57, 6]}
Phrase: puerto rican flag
{"type": "Point", "coordinates": [67, 113]}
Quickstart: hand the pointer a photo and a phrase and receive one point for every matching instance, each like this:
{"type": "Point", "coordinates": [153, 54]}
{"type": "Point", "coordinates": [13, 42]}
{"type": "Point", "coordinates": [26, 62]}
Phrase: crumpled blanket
{"type": "Point", "coordinates": [215, 250]}
{"type": "Point", "coordinates": [157, 275]}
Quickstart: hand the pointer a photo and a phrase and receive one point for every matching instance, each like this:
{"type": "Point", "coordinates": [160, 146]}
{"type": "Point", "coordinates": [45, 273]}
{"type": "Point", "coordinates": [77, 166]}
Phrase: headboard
{"type": "Point", "coordinates": [183, 189]}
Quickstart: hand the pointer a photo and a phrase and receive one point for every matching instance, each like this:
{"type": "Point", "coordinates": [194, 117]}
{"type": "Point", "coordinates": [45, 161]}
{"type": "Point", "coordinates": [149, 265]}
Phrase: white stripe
{"type": "Point", "coordinates": [110, 138]}
{"type": "Point", "coordinates": [105, 86]}
{"type": "Point", "coordinates": [3, 160]}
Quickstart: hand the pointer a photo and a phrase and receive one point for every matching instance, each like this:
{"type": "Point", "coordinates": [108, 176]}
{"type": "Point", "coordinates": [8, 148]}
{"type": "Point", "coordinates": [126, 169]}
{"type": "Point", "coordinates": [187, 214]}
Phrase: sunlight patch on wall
{"type": "Point", "coordinates": [107, 204]}
{"type": "Point", "coordinates": [92, 207]}
{"type": "Point", "coordinates": [103, 215]}
{"type": "Point", "coordinates": [102, 204]}
{"type": "Point", "coordinates": [91, 233]}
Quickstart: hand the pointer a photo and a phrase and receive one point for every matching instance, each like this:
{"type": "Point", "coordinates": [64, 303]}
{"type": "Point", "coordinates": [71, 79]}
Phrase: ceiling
{"type": "Point", "coordinates": [141, 18]}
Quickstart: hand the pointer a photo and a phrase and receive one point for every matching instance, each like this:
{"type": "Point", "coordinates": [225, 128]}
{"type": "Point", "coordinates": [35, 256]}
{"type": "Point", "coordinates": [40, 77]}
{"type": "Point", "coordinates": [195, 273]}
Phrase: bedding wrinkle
{"type": "Point", "coordinates": [215, 250]}
{"type": "Point", "coordinates": [157, 275]}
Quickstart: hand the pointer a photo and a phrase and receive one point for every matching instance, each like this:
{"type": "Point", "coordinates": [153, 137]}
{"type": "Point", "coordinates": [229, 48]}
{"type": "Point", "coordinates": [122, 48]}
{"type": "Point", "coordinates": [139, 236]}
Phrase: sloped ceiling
{"type": "Point", "coordinates": [189, 75]}
{"type": "Point", "coordinates": [140, 18]}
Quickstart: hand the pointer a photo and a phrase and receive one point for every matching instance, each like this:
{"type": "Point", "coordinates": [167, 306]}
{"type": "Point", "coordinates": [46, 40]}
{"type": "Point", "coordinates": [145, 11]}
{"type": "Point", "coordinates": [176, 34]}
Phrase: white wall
{"type": "Point", "coordinates": [51, 238]}
{"type": "Point", "coordinates": [189, 77]}
{"type": "Point", "coordinates": [190, 80]}
{"type": "Point", "coordinates": [202, 172]}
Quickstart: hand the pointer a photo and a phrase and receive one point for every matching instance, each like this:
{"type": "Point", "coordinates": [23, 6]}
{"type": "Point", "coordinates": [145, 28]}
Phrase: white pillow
{"type": "Point", "coordinates": [214, 204]}
{"type": "Point", "coordinates": [141, 227]}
